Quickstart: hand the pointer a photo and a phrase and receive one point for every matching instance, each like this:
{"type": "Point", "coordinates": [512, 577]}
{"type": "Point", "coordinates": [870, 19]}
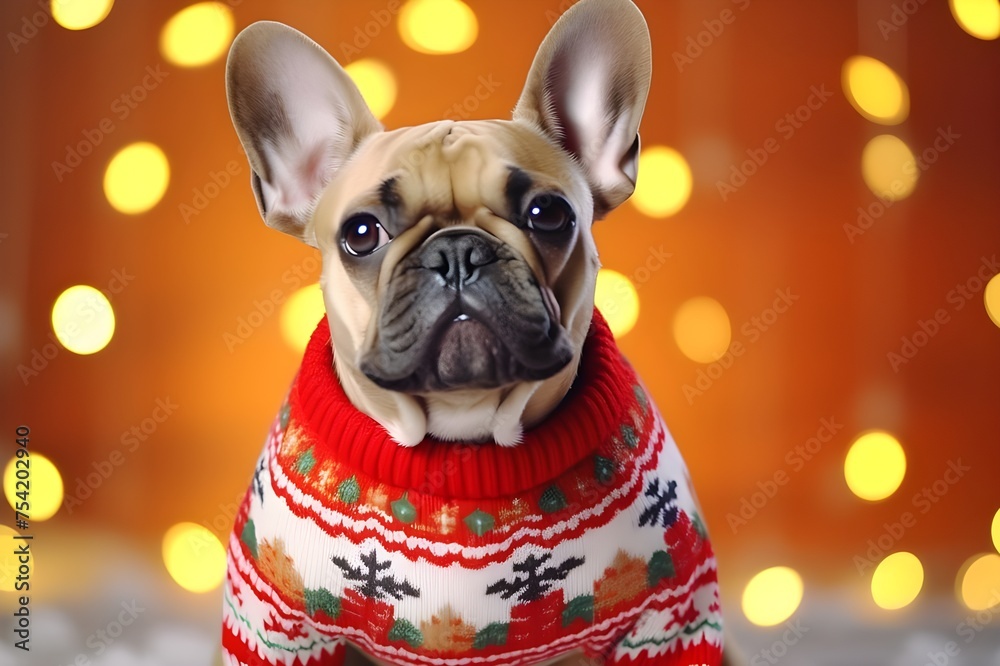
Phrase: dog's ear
{"type": "Point", "coordinates": [587, 89]}
{"type": "Point", "coordinates": [299, 117]}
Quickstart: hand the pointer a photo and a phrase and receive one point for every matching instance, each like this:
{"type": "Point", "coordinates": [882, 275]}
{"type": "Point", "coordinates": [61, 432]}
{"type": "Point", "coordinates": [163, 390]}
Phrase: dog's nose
{"type": "Point", "coordinates": [457, 257]}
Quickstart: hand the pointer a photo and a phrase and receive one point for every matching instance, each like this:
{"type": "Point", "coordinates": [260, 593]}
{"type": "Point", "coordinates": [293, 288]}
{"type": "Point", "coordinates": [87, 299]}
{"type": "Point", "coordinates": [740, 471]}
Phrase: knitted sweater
{"type": "Point", "coordinates": [585, 537]}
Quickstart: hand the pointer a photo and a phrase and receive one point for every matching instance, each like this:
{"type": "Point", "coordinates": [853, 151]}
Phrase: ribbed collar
{"type": "Point", "coordinates": [589, 415]}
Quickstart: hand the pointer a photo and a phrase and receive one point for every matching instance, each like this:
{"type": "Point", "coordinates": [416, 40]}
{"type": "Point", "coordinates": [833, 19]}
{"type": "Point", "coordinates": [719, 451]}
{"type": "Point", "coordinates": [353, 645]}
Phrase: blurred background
{"type": "Point", "coordinates": [805, 279]}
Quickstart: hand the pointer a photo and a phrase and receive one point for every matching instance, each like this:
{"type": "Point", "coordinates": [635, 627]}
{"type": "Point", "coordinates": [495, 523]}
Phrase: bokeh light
{"type": "Point", "coordinates": [197, 35]}
{"type": "Point", "coordinates": [889, 167]}
{"type": "Point", "coordinates": [299, 316]}
{"type": "Point", "coordinates": [10, 565]}
{"type": "Point", "coordinates": [897, 581]}
{"type": "Point", "coordinates": [702, 330]}
{"type": "Point", "coordinates": [45, 489]}
{"type": "Point", "coordinates": [664, 182]}
{"type": "Point", "coordinates": [438, 26]}
{"type": "Point", "coordinates": [991, 297]}
{"type": "Point", "coordinates": [194, 556]}
{"type": "Point", "coordinates": [875, 466]}
{"type": "Point", "coordinates": [83, 319]}
{"type": "Point", "coordinates": [978, 582]}
{"type": "Point", "coordinates": [995, 530]}
{"type": "Point", "coordinates": [136, 178]}
{"type": "Point", "coordinates": [377, 84]}
{"type": "Point", "coordinates": [617, 300]}
{"type": "Point", "coordinates": [772, 596]}
{"type": "Point", "coordinates": [80, 14]}
{"type": "Point", "coordinates": [979, 18]}
{"type": "Point", "coordinates": [875, 90]}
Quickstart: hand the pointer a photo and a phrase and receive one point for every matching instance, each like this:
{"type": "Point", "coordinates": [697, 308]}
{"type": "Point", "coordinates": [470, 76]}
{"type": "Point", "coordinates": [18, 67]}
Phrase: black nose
{"type": "Point", "coordinates": [457, 257]}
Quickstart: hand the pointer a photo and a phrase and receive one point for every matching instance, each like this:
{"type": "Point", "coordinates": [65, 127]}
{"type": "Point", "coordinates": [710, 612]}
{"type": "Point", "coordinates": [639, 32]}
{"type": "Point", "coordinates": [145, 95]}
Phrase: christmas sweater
{"type": "Point", "coordinates": [585, 537]}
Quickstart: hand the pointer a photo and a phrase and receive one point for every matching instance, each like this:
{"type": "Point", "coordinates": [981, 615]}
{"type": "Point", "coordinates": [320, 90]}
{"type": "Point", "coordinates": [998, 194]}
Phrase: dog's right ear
{"type": "Point", "coordinates": [299, 117]}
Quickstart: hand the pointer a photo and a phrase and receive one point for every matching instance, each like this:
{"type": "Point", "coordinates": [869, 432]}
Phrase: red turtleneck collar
{"type": "Point", "coordinates": [589, 415]}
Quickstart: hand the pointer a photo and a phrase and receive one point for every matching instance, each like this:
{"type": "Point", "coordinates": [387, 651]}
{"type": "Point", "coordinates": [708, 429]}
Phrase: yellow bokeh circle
{"type": "Point", "coordinates": [618, 300]}
{"type": "Point", "coordinates": [197, 35]}
{"type": "Point", "coordinates": [194, 556]}
{"type": "Point", "coordinates": [979, 18]}
{"type": "Point", "coordinates": [664, 182]}
{"type": "Point", "coordinates": [438, 27]}
{"type": "Point", "coordinates": [136, 178]}
{"type": "Point", "coordinates": [991, 297]}
{"type": "Point", "coordinates": [772, 596]}
{"type": "Point", "coordinates": [889, 167]}
{"type": "Point", "coordinates": [377, 84]}
{"type": "Point", "coordinates": [978, 582]}
{"type": "Point", "coordinates": [83, 319]}
{"type": "Point", "coordinates": [80, 14]}
{"type": "Point", "coordinates": [44, 489]}
{"type": "Point", "coordinates": [875, 466]}
{"type": "Point", "coordinates": [897, 581]}
{"type": "Point", "coordinates": [995, 530]}
{"type": "Point", "coordinates": [299, 316]}
{"type": "Point", "coordinates": [702, 330]}
{"type": "Point", "coordinates": [875, 90]}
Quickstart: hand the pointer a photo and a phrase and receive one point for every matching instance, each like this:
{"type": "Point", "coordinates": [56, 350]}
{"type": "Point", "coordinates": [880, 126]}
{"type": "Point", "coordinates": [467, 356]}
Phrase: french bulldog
{"type": "Point", "coordinates": [454, 477]}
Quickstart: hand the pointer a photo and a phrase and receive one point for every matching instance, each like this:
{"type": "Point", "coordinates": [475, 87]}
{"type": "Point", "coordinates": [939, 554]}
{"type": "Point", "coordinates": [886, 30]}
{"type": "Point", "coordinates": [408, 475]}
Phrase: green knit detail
{"type": "Point", "coordinates": [322, 599]}
{"type": "Point", "coordinates": [306, 462]}
{"type": "Point", "coordinates": [604, 470]}
{"type": "Point", "coordinates": [640, 395]}
{"type": "Point", "coordinates": [404, 510]}
{"type": "Point", "coordinates": [689, 630]}
{"type": "Point", "coordinates": [403, 630]}
{"type": "Point", "coordinates": [581, 607]}
{"type": "Point", "coordinates": [278, 646]}
{"type": "Point", "coordinates": [661, 566]}
{"type": "Point", "coordinates": [629, 436]}
{"type": "Point", "coordinates": [285, 415]}
{"type": "Point", "coordinates": [349, 491]}
{"type": "Point", "coordinates": [491, 634]}
{"type": "Point", "coordinates": [479, 522]}
{"type": "Point", "coordinates": [699, 526]}
{"type": "Point", "coordinates": [249, 537]}
{"type": "Point", "coordinates": [552, 500]}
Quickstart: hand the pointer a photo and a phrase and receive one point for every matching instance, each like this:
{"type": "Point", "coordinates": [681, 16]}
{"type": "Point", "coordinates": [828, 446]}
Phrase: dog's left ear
{"type": "Point", "coordinates": [587, 89]}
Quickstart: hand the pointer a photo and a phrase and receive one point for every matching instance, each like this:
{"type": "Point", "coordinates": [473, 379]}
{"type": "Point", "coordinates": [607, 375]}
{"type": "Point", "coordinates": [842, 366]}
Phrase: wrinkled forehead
{"type": "Point", "coordinates": [453, 169]}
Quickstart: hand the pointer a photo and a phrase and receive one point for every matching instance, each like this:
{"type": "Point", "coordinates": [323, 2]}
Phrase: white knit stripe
{"type": "Point", "coordinates": [598, 632]}
{"type": "Point", "coordinates": [335, 519]}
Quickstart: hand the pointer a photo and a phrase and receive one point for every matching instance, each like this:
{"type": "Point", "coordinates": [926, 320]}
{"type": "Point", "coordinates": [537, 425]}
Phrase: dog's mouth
{"type": "Point", "coordinates": [466, 349]}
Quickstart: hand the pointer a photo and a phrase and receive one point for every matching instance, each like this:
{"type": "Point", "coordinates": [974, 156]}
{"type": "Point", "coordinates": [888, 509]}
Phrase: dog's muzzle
{"type": "Point", "coordinates": [465, 310]}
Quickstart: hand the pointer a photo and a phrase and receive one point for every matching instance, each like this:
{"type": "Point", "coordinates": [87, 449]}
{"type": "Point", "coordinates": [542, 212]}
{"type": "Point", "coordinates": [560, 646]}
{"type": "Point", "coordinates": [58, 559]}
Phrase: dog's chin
{"type": "Point", "coordinates": [467, 354]}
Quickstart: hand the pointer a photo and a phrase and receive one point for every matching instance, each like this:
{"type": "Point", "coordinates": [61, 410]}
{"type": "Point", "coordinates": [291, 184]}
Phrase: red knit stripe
{"type": "Point", "coordinates": [234, 646]}
{"type": "Point", "coordinates": [595, 405]}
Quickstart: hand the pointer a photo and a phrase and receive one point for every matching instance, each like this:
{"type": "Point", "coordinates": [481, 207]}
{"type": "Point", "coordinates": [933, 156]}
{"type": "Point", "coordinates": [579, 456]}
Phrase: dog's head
{"type": "Point", "coordinates": [458, 260]}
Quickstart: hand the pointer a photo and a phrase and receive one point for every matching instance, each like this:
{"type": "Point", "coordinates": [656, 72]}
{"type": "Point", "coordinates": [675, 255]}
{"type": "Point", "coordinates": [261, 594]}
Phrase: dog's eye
{"type": "Point", "coordinates": [363, 234]}
{"type": "Point", "coordinates": [549, 213]}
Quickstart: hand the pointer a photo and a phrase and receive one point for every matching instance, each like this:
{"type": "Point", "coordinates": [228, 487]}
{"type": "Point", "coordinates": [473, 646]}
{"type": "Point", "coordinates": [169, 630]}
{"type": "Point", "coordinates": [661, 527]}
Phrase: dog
{"type": "Point", "coordinates": [465, 470]}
